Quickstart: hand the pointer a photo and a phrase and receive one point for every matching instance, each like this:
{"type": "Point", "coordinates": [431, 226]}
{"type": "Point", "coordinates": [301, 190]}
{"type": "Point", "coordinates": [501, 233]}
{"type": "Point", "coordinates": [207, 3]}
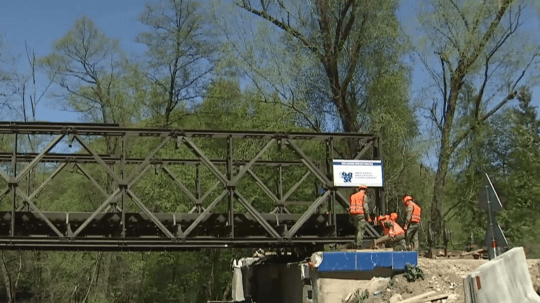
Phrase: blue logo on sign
{"type": "Point", "coordinates": [347, 177]}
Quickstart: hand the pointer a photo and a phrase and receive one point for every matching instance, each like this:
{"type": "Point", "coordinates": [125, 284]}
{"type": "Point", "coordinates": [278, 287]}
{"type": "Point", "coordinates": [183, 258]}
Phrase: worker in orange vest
{"type": "Point", "coordinates": [393, 233]}
{"type": "Point", "coordinates": [358, 209]}
{"type": "Point", "coordinates": [412, 222]}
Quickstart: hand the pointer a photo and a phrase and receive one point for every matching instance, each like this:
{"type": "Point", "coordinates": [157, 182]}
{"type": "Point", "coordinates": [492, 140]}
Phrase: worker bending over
{"type": "Point", "coordinates": [412, 222]}
{"type": "Point", "coordinates": [359, 208]}
{"type": "Point", "coordinates": [393, 233]}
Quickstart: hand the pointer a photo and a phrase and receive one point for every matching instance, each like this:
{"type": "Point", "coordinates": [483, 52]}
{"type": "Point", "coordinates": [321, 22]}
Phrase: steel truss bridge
{"type": "Point", "coordinates": [201, 188]}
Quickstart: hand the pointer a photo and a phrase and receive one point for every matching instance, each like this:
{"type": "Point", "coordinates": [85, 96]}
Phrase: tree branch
{"type": "Point", "coordinates": [281, 25]}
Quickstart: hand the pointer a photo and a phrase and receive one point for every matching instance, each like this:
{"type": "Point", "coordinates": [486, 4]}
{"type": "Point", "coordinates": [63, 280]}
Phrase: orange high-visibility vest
{"type": "Point", "coordinates": [395, 231]}
{"type": "Point", "coordinates": [416, 213]}
{"type": "Point", "coordinates": [357, 203]}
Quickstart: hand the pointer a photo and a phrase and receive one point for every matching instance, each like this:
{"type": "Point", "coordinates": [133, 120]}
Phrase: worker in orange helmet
{"type": "Point", "coordinates": [393, 233]}
{"type": "Point", "coordinates": [412, 222]}
{"type": "Point", "coordinates": [359, 210]}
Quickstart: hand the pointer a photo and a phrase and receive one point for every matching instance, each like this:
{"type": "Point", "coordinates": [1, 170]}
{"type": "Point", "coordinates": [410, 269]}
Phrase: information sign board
{"type": "Point", "coordinates": [352, 173]}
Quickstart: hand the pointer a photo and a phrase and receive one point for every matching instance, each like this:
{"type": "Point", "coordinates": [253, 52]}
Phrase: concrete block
{"type": "Point", "coordinates": [504, 279]}
{"type": "Point", "coordinates": [329, 290]}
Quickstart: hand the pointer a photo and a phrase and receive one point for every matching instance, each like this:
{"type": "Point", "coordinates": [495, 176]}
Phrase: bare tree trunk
{"type": "Point", "coordinates": [227, 292]}
{"type": "Point", "coordinates": [102, 287]}
{"type": "Point", "coordinates": [94, 277]}
{"type": "Point", "coordinates": [10, 291]}
{"type": "Point", "coordinates": [143, 275]}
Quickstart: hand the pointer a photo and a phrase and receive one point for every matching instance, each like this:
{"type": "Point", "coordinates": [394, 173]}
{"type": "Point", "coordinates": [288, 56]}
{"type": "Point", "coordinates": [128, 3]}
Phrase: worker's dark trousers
{"type": "Point", "coordinates": [387, 239]}
{"type": "Point", "coordinates": [412, 236]}
{"type": "Point", "coordinates": [360, 225]}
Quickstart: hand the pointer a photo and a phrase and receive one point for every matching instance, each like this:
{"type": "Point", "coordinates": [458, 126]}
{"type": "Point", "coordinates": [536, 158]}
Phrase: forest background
{"type": "Point", "coordinates": [322, 66]}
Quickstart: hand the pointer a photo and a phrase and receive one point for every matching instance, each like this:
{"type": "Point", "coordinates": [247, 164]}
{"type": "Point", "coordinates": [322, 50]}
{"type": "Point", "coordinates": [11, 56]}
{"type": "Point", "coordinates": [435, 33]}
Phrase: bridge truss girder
{"type": "Point", "coordinates": [111, 226]}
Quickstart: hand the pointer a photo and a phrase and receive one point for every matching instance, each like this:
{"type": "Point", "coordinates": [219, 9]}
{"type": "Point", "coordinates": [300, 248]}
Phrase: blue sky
{"type": "Point", "coordinates": [40, 23]}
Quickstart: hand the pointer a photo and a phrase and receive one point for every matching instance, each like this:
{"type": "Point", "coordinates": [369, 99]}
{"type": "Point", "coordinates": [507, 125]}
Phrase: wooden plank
{"type": "Point", "coordinates": [435, 298]}
{"type": "Point", "coordinates": [478, 251]}
{"type": "Point", "coordinates": [416, 299]}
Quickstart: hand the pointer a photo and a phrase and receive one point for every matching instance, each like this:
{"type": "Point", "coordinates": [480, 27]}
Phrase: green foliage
{"type": "Point", "coordinates": [359, 296]}
{"type": "Point", "coordinates": [507, 150]}
{"type": "Point", "coordinates": [413, 273]}
{"type": "Point", "coordinates": [303, 74]}
{"type": "Point", "coordinates": [179, 54]}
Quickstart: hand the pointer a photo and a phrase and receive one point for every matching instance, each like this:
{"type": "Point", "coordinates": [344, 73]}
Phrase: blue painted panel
{"type": "Point", "coordinates": [366, 261]}
{"type": "Point", "coordinates": [402, 258]}
{"type": "Point", "coordinates": [339, 261]}
{"type": "Point", "coordinates": [384, 259]}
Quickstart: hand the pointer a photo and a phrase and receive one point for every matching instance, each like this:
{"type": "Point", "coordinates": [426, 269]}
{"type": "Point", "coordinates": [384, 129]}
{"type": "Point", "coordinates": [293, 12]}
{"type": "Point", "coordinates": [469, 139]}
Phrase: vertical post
{"type": "Point", "coordinates": [14, 185]}
{"type": "Point", "coordinates": [124, 185]}
{"type": "Point", "coordinates": [330, 174]}
{"type": "Point", "coordinates": [493, 243]}
{"type": "Point", "coordinates": [381, 154]}
{"type": "Point", "coordinates": [230, 186]}
{"type": "Point", "coordinates": [198, 186]}
{"type": "Point", "coordinates": [333, 196]}
{"type": "Point", "coordinates": [379, 192]}
{"type": "Point", "coordinates": [280, 187]}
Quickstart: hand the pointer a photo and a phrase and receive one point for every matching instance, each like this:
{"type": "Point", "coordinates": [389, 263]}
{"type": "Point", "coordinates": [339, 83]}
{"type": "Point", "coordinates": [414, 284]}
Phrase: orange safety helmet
{"type": "Point", "coordinates": [393, 216]}
{"type": "Point", "coordinates": [362, 187]}
{"type": "Point", "coordinates": [380, 219]}
{"type": "Point", "coordinates": [407, 199]}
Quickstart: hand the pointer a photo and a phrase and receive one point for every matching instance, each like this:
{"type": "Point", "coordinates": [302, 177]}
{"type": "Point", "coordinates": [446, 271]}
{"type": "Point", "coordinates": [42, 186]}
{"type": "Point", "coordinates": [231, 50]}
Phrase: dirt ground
{"type": "Point", "coordinates": [441, 275]}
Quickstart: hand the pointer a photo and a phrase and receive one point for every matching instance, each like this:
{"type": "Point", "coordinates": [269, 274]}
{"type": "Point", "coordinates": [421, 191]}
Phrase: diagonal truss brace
{"type": "Point", "coordinates": [180, 184]}
{"type": "Point", "coordinates": [141, 168]}
{"type": "Point", "coordinates": [309, 164]}
{"type": "Point", "coordinates": [4, 176]}
{"type": "Point", "coordinates": [187, 191]}
{"type": "Point", "coordinates": [151, 215]}
{"type": "Point", "coordinates": [253, 212]}
{"type": "Point", "coordinates": [312, 208]}
{"type": "Point", "coordinates": [295, 186]}
{"type": "Point", "coordinates": [364, 149]}
{"type": "Point", "coordinates": [39, 212]}
{"type": "Point", "coordinates": [4, 193]}
{"type": "Point", "coordinates": [98, 159]}
{"type": "Point", "coordinates": [28, 199]}
{"type": "Point", "coordinates": [92, 180]}
{"type": "Point", "coordinates": [204, 214]}
{"type": "Point", "coordinates": [206, 161]}
{"type": "Point", "coordinates": [261, 184]}
{"type": "Point", "coordinates": [94, 214]}
{"type": "Point", "coordinates": [247, 168]}
{"type": "Point", "coordinates": [322, 177]}
{"type": "Point", "coordinates": [38, 158]}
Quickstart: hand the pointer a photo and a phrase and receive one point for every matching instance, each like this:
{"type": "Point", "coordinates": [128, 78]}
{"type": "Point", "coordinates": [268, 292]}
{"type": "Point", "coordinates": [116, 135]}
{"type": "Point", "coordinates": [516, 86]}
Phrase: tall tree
{"type": "Point", "coordinates": [89, 66]}
{"type": "Point", "coordinates": [178, 56]}
{"type": "Point", "coordinates": [7, 78]}
{"type": "Point", "coordinates": [333, 52]}
{"type": "Point", "coordinates": [519, 181]}
{"type": "Point", "coordinates": [476, 44]}
{"type": "Point", "coordinates": [85, 62]}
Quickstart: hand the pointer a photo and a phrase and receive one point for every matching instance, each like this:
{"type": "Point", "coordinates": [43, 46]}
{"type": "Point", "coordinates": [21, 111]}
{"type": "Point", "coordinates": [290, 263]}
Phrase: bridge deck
{"type": "Point", "coordinates": [104, 231]}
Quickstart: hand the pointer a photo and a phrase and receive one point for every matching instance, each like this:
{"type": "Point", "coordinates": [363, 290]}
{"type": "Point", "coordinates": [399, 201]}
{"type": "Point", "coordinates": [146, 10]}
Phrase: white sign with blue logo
{"type": "Point", "coordinates": [352, 173]}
